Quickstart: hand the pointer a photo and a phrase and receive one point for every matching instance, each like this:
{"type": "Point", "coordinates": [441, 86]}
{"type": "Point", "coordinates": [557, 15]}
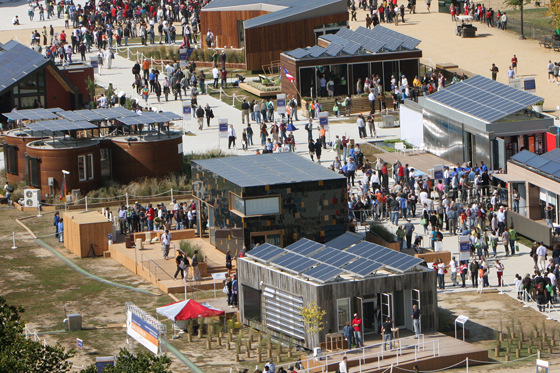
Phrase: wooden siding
{"type": "Point", "coordinates": [84, 229]}
{"type": "Point", "coordinates": [252, 274]}
{"type": "Point", "coordinates": [264, 44]}
{"type": "Point", "coordinates": [224, 25]}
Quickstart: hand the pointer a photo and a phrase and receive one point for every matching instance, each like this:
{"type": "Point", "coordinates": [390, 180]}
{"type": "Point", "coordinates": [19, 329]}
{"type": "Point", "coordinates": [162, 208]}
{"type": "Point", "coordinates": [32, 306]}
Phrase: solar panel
{"type": "Point", "coordinates": [304, 247]}
{"type": "Point", "coordinates": [316, 51]}
{"type": "Point", "coordinates": [59, 125]}
{"type": "Point", "coordinates": [323, 273]}
{"type": "Point", "coordinates": [334, 257]}
{"type": "Point", "coordinates": [333, 49]}
{"type": "Point", "coordinates": [298, 53]}
{"type": "Point", "coordinates": [265, 252]}
{"type": "Point", "coordinates": [553, 155]}
{"type": "Point", "coordinates": [90, 115]}
{"type": "Point", "coordinates": [31, 114]}
{"type": "Point", "coordinates": [484, 98]}
{"type": "Point", "coordinates": [169, 116]}
{"type": "Point", "coordinates": [130, 121]}
{"type": "Point", "coordinates": [72, 115]}
{"type": "Point", "coordinates": [351, 47]}
{"type": "Point", "coordinates": [406, 263]}
{"type": "Point", "coordinates": [363, 267]}
{"type": "Point", "coordinates": [294, 262]}
{"type": "Point", "coordinates": [551, 168]}
{"type": "Point", "coordinates": [345, 240]}
{"type": "Point", "coordinates": [537, 162]}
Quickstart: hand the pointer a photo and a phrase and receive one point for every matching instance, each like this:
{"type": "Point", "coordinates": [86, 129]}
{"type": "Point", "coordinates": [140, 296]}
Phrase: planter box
{"type": "Point", "coordinates": [370, 237]}
{"type": "Point", "coordinates": [258, 92]}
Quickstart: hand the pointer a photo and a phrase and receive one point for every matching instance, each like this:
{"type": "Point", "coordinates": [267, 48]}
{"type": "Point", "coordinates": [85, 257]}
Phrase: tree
{"type": "Point", "coordinates": [143, 362]}
{"type": "Point", "coordinates": [518, 4]}
{"type": "Point", "coordinates": [18, 354]}
{"type": "Point", "coordinates": [313, 317]}
{"type": "Point", "coordinates": [554, 12]}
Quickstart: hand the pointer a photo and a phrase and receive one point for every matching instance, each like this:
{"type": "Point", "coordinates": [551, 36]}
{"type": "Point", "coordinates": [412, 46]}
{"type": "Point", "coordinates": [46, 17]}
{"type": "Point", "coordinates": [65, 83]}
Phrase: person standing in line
{"type": "Point", "coordinates": [416, 320]}
{"type": "Point", "coordinates": [357, 325]}
{"type": "Point", "coordinates": [348, 332]}
{"type": "Point", "coordinates": [244, 111]}
{"type": "Point", "coordinates": [453, 266]}
{"type": "Point", "coordinates": [464, 269]}
{"type": "Point", "coordinates": [474, 266]}
{"type": "Point", "coordinates": [166, 242]}
{"type": "Point", "coordinates": [408, 230]}
{"type": "Point", "coordinates": [228, 262]}
{"type": "Point", "coordinates": [499, 271]}
{"type": "Point", "coordinates": [480, 280]}
{"type": "Point", "coordinates": [494, 70]}
{"type": "Point", "coordinates": [387, 333]}
{"type": "Point", "coordinates": [196, 270]}
{"type": "Point", "coordinates": [541, 254]}
{"type": "Point", "coordinates": [361, 126]}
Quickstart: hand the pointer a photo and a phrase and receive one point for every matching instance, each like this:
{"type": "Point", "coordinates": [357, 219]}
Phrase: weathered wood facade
{"type": "Point", "coordinates": [258, 283]}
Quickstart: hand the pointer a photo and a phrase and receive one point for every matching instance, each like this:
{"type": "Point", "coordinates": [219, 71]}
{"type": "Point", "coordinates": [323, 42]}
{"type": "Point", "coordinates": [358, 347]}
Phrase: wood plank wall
{"type": "Point", "coordinates": [224, 25]}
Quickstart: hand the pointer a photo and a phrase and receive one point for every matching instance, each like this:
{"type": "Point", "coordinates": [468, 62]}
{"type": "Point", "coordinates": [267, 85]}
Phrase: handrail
{"type": "Point", "coordinates": [156, 266]}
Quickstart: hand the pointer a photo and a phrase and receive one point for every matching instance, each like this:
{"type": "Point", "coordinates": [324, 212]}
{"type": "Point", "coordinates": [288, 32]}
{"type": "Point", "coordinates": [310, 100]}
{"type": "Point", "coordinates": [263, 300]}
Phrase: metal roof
{"type": "Point", "coordinates": [361, 41]}
{"type": "Point", "coordinates": [267, 169]}
{"type": "Point", "coordinates": [484, 98]}
{"type": "Point", "coordinates": [16, 62]}
{"type": "Point", "coordinates": [281, 11]}
{"type": "Point", "coordinates": [547, 164]}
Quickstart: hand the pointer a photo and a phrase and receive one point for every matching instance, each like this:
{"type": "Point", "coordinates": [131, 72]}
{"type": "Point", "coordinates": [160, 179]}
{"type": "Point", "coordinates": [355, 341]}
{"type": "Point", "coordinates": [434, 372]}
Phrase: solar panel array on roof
{"type": "Point", "coordinates": [272, 169]}
{"type": "Point", "coordinates": [316, 51]}
{"type": "Point", "coordinates": [345, 240]}
{"type": "Point", "coordinates": [298, 53]}
{"type": "Point", "coordinates": [16, 62]}
{"type": "Point", "coordinates": [31, 114]}
{"type": "Point", "coordinates": [304, 247]}
{"type": "Point", "coordinates": [385, 256]}
{"type": "Point", "coordinates": [333, 49]}
{"type": "Point", "coordinates": [59, 125]}
{"type": "Point", "coordinates": [363, 267]}
{"type": "Point", "coordinates": [323, 273]}
{"type": "Point", "coordinates": [484, 98]}
{"type": "Point", "coordinates": [265, 252]}
{"type": "Point", "coordinates": [547, 164]}
{"type": "Point", "coordinates": [334, 257]}
{"type": "Point", "coordinates": [294, 262]}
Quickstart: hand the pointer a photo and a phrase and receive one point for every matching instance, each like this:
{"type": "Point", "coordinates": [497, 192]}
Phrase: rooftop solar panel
{"type": "Point", "coordinates": [363, 267]}
{"type": "Point", "coordinates": [551, 168]}
{"type": "Point", "coordinates": [90, 115]}
{"type": "Point", "coordinates": [298, 53]}
{"type": "Point", "coordinates": [406, 263]}
{"type": "Point", "coordinates": [345, 240]}
{"type": "Point", "coordinates": [334, 257]}
{"type": "Point", "coordinates": [304, 247]}
{"type": "Point", "coordinates": [265, 252]}
{"type": "Point", "coordinates": [523, 156]}
{"type": "Point", "coordinates": [537, 162]}
{"type": "Point", "coordinates": [323, 273]}
{"type": "Point", "coordinates": [316, 51]}
{"type": "Point", "coordinates": [334, 49]}
{"type": "Point", "coordinates": [351, 47]}
{"type": "Point", "coordinates": [484, 98]}
{"type": "Point", "coordinates": [553, 155]}
{"type": "Point", "coordinates": [294, 262]}
{"type": "Point", "coordinates": [72, 116]}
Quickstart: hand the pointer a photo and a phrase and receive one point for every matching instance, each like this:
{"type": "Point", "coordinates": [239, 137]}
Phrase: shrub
{"type": "Point", "coordinates": [188, 248]}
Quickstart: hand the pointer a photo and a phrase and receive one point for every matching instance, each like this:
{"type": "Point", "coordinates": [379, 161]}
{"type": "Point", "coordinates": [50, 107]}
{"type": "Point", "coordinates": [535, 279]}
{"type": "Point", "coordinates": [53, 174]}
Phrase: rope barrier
{"type": "Point", "coordinates": [9, 235]}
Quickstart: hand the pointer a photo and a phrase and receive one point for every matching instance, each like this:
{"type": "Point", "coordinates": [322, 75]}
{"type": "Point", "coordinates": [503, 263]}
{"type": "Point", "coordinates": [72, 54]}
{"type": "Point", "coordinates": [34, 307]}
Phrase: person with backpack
{"type": "Point", "coordinates": [8, 190]}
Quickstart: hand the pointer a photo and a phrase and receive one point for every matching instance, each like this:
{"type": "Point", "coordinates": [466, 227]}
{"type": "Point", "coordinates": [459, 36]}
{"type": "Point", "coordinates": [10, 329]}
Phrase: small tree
{"type": "Point", "coordinates": [313, 317]}
{"type": "Point", "coordinates": [515, 4]}
{"type": "Point", "coordinates": [90, 84]}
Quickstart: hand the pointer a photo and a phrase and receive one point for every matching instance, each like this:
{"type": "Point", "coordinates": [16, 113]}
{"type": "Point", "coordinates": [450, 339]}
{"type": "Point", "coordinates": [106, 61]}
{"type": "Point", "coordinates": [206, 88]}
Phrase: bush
{"type": "Point", "coordinates": [188, 248]}
{"type": "Point", "coordinates": [382, 231]}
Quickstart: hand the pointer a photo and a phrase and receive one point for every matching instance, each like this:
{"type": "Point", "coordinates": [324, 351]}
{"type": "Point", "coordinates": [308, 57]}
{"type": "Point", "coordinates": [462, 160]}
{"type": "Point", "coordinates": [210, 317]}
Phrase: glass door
{"type": "Point", "coordinates": [387, 307]}
{"type": "Point", "coordinates": [368, 312]}
{"type": "Point", "coordinates": [343, 312]}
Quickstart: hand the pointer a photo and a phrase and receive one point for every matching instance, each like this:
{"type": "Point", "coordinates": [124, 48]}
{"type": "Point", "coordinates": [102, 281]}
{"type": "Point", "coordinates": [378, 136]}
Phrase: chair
{"type": "Point", "coordinates": [400, 147]}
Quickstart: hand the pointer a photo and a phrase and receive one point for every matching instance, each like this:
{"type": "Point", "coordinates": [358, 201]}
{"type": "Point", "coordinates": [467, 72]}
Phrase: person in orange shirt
{"type": "Point", "coordinates": [146, 68]}
{"type": "Point", "coordinates": [323, 136]}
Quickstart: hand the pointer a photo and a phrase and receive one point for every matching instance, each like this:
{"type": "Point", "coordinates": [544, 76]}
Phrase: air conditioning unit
{"type": "Point", "coordinates": [32, 197]}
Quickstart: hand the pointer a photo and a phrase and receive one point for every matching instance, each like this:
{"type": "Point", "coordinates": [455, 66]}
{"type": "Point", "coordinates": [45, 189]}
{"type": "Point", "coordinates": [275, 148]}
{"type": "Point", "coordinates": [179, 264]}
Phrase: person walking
{"type": "Point", "coordinates": [196, 270]}
{"type": "Point", "coordinates": [416, 320]}
{"type": "Point", "coordinates": [166, 243]}
{"type": "Point", "coordinates": [180, 266]}
{"type": "Point", "coordinates": [200, 116]}
{"type": "Point", "coordinates": [231, 136]}
{"type": "Point", "coordinates": [343, 365]}
{"type": "Point", "coordinates": [499, 271]}
{"type": "Point", "coordinates": [209, 114]}
{"type": "Point", "coordinates": [408, 230]}
{"type": "Point", "coordinates": [494, 70]}
{"type": "Point", "coordinates": [387, 333]}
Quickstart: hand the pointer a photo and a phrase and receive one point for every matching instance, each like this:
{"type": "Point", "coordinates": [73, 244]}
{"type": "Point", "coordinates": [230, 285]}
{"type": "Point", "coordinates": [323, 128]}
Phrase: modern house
{"type": "Point", "coordinates": [347, 56]}
{"type": "Point", "coordinates": [477, 119]}
{"type": "Point", "coordinates": [353, 277]}
{"type": "Point", "coordinates": [265, 28]}
{"type": "Point", "coordinates": [273, 198]}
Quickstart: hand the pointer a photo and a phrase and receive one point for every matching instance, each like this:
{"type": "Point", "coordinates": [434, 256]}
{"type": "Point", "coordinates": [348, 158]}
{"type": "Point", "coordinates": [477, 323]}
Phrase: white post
{"type": "Point", "coordinates": [233, 100]}
{"type": "Point", "coordinates": [14, 241]}
{"type": "Point", "coordinates": [467, 363]}
{"type": "Point", "coordinates": [171, 195]}
{"type": "Point", "coordinates": [86, 204]}
{"type": "Point", "coordinates": [215, 292]}
{"type": "Point", "coordinates": [126, 194]}
{"type": "Point", "coordinates": [185, 282]}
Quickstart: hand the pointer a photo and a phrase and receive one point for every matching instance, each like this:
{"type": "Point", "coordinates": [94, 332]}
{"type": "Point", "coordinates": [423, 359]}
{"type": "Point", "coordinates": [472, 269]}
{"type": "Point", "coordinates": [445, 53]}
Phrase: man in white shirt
{"type": "Point", "coordinates": [166, 242]}
{"type": "Point", "coordinates": [343, 366]}
{"type": "Point", "coordinates": [453, 267]}
{"type": "Point", "coordinates": [216, 76]}
{"type": "Point", "coordinates": [231, 136]}
{"type": "Point", "coordinates": [541, 254]}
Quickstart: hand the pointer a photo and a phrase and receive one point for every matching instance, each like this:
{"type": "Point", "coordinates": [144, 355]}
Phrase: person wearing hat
{"type": "Point", "coordinates": [357, 325]}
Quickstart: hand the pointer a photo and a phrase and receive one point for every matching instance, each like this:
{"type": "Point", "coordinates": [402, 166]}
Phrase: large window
{"type": "Point", "coordinates": [269, 205]}
{"type": "Point", "coordinates": [252, 303]}
{"type": "Point", "coordinates": [10, 159]}
{"type": "Point", "coordinates": [30, 91]}
{"type": "Point", "coordinates": [85, 167]}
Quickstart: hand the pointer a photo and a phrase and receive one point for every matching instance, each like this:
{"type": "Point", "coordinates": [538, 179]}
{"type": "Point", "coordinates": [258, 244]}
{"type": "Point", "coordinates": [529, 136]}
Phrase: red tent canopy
{"type": "Point", "coordinates": [188, 309]}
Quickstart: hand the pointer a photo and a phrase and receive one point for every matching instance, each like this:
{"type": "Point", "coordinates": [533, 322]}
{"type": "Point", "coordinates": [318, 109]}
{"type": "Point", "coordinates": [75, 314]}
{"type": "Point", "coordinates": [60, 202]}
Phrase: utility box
{"type": "Point", "coordinates": [74, 322]}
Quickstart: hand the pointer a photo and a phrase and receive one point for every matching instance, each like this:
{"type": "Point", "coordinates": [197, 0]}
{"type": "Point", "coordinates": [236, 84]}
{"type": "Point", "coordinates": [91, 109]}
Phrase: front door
{"type": "Point", "coordinates": [368, 319]}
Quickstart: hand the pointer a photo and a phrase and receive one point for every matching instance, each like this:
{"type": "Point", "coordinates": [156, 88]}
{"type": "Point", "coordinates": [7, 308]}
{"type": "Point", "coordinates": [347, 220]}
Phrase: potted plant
{"type": "Point", "coordinates": [538, 107]}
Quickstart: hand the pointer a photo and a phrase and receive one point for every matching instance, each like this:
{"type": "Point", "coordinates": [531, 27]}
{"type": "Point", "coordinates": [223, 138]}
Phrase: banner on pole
{"type": "Point", "coordinates": [464, 248]}
{"type": "Point", "coordinates": [324, 119]}
{"type": "Point", "coordinates": [281, 103]}
{"type": "Point", "coordinates": [187, 108]}
{"type": "Point", "coordinates": [223, 126]}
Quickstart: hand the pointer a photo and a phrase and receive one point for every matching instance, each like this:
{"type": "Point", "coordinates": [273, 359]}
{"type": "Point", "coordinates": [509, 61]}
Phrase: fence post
{"type": "Point", "coordinates": [467, 363]}
{"type": "Point", "coordinates": [126, 194]}
{"type": "Point", "coordinates": [171, 195]}
{"type": "Point", "coordinates": [86, 203]}
{"type": "Point", "coordinates": [233, 100]}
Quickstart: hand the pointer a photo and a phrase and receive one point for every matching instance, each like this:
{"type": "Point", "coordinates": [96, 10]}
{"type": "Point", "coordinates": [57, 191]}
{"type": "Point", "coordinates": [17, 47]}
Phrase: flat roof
{"type": "Point", "coordinates": [268, 169]}
{"type": "Point", "coordinates": [547, 164]}
{"type": "Point", "coordinates": [485, 99]}
{"type": "Point", "coordinates": [281, 11]}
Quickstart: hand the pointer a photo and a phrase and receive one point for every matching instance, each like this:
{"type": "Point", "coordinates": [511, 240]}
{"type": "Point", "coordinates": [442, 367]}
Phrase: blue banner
{"type": "Point", "coordinates": [324, 121]}
{"type": "Point", "coordinates": [223, 127]}
{"type": "Point", "coordinates": [186, 110]}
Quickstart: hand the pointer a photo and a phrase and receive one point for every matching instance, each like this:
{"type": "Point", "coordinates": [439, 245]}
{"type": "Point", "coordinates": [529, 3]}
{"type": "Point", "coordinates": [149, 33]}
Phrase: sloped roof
{"type": "Point", "coordinates": [547, 164]}
{"type": "Point", "coordinates": [16, 62]}
{"type": "Point", "coordinates": [281, 11]}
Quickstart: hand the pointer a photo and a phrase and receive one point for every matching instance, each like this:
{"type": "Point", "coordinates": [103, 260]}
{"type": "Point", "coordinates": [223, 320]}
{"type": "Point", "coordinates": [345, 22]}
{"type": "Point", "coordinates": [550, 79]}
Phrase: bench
{"type": "Point", "coordinates": [547, 42]}
{"type": "Point", "coordinates": [556, 45]}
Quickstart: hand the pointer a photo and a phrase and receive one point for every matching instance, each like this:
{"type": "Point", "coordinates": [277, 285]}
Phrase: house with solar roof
{"type": "Point", "coordinates": [344, 276]}
{"type": "Point", "coordinates": [94, 146]}
{"type": "Point", "coordinates": [274, 198]}
{"type": "Point", "coordinates": [478, 119]}
{"type": "Point", "coordinates": [265, 28]}
{"type": "Point", "coordinates": [29, 80]}
{"type": "Point", "coordinates": [536, 177]}
{"type": "Point", "coordinates": [348, 55]}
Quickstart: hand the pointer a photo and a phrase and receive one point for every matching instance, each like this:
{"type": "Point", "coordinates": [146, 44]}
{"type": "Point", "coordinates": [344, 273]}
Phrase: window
{"type": "Point", "coordinates": [10, 159]}
{"type": "Point", "coordinates": [255, 206]}
{"type": "Point", "coordinates": [282, 312]}
{"type": "Point", "coordinates": [34, 172]}
{"type": "Point", "coordinates": [90, 163]}
{"type": "Point", "coordinates": [252, 303]}
{"type": "Point", "coordinates": [82, 167]}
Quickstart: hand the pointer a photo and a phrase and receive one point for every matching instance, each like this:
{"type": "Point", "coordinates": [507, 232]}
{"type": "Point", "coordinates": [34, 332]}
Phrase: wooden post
{"type": "Point", "coordinates": [219, 341]}
{"type": "Point", "coordinates": [507, 357]}
{"type": "Point", "coordinates": [497, 351]}
{"type": "Point", "coordinates": [517, 353]}
{"type": "Point", "coordinates": [259, 355]}
{"type": "Point", "coordinates": [228, 346]}
{"type": "Point", "coordinates": [501, 335]}
{"type": "Point", "coordinates": [237, 358]}
{"type": "Point", "coordinates": [529, 350]}
{"type": "Point", "coordinates": [519, 344]}
{"type": "Point", "coordinates": [189, 337]}
{"type": "Point", "coordinates": [247, 345]}
{"type": "Point", "coordinates": [208, 344]}
{"type": "Point", "coordinates": [200, 331]}
{"type": "Point", "coordinates": [278, 359]}
{"type": "Point", "coordinates": [268, 353]}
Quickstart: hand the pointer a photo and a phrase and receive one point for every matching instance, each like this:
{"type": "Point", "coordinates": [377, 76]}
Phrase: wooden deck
{"type": "Point", "coordinates": [257, 92]}
{"type": "Point", "coordinates": [150, 264]}
{"type": "Point", "coordinates": [421, 161]}
{"type": "Point", "coordinates": [436, 352]}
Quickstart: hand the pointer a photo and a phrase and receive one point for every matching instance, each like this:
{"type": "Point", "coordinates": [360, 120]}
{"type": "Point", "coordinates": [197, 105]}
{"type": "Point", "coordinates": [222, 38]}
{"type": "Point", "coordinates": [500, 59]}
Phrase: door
{"type": "Point", "coordinates": [343, 312]}
{"type": "Point", "coordinates": [415, 296]}
{"type": "Point", "coordinates": [387, 307]}
{"type": "Point", "coordinates": [368, 316]}
{"type": "Point", "coordinates": [400, 309]}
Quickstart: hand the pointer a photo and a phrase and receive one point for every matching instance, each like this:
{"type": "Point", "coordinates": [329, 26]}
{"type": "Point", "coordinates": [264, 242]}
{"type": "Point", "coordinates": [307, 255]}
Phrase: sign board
{"type": "Point", "coordinates": [223, 126]}
{"type": "Point", "coordinates": [104, 361]}
{"type": "Point", "coordinates": [182, 57]}
{"type": "Point", "coordinates": [324, 119]}
{"type": "Point", "coordinates": [464, 248]}
{"type": "Point", "coordinates": [438, 172]}
{"type": "Point", "coordinates": [187, 109]}
{"type": "Point", "coordinates": [142, 330]}
{"type": "Point", "coordinates": [281, 103]}
{"type": "Point", "coordinates": [93, 62]}
{"type": "Point", "coordinates": [529, 84]}
{"type": "Point", "coordinates": [219, 276]}
{"type": "Point", "coordinates": [80, 343]}
{"type": "Point", "coordinates": [542, 366]}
